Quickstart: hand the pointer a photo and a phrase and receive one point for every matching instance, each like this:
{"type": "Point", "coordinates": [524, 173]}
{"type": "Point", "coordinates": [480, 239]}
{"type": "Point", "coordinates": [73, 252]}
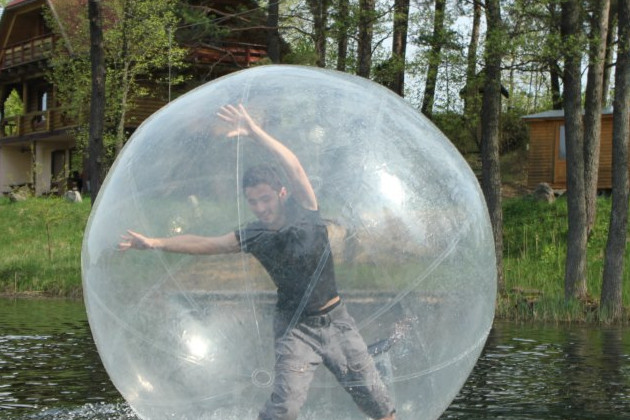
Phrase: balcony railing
{"type": "Point", "coordinates": [34, 123]}
{"type": "Point", "coordinates": [57, 119]}
{"type": "Point", "coordinates": [230, 53]}
{"type": "Point", "coordinates": [25, 52]}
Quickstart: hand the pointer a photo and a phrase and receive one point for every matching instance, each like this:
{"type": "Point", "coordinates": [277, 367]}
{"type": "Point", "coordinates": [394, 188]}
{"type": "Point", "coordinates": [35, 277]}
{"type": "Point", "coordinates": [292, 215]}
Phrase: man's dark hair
{"type": "Point", "coordinates": [262, 174]}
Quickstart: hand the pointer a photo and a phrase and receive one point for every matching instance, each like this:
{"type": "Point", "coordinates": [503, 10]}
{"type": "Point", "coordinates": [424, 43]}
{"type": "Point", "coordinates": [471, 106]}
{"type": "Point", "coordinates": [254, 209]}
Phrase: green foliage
{"type": "Point", "coordinates": [197, 25]}
{"type": "Point", "coordinates": [302, 53]}
{"type": "Point", "coordinates": [454, 126]}
{"type": "Point", "coordinates": [462, 133]}
{"type": "Point", "coordinates": [13, 105]}
{"type": "Point", "coordinates": [139, 51]}
{"type": "Point", "coordinates": [70, 76]}
{"type": "Point", "coordinates": [514, 134]}
{"type": "Point", "coordinates": [386, 71]}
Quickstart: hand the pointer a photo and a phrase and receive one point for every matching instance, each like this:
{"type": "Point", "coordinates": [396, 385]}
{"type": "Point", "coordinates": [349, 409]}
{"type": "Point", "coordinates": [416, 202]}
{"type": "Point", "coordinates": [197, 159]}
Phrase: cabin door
{"type": "Point", "coordinates": [560, 158]}
{"type": "Point", "coordinates": [58, 170]}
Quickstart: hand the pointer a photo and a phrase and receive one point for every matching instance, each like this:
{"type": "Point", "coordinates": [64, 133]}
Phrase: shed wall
{"type": "Point", "coordinates": [543, 143]}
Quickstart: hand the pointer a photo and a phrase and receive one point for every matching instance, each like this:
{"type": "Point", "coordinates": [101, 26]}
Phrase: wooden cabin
{"type": "Point", "coordinates": [37, 144]}
{"type": "Point", "coordinates": [547, 150]}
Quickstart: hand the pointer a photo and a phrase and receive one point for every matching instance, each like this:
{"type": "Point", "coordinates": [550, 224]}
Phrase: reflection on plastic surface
{"type": "Point", "coordinates": [185, 336]}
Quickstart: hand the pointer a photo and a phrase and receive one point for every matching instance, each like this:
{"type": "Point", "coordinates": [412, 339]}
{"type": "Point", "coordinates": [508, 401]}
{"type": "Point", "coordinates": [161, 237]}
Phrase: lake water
{"type": "Point", "coordinates": [50, 370]}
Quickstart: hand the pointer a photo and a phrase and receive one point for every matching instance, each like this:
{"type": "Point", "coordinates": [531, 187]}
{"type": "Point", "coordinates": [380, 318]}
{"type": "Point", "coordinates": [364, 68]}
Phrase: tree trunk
{"type": "Point", "coordinates": [342, 25]}
{"type": "Point", "coordinates": [399, 45]}
{"type": "Point", "coordinates": [471, 88]}
{"type": "Point", "coordinates": [593, 105]}
{"type": "Point", "coordinates": [124, 87]}
{"type": "Point", "coordinates": [435, 57]}
{"type": "Point", "coordinates": [97, 103]}
{"type": "Point", "coordinates": [319, 10]}
{"type": "Point", "coordinates": [575, 274]}
{"type": "Point", "coordinates": [552, 61]}
{"type": "Point", "coordinates": [611, 302]}
{"type": "Point", "coordinates": [471, 91]}
{"type": "Point", "coordinates": [125, 79]}
{"type": "Point", "coordinates": [554, 80]}
{"type": "Point", "coordinates": [273, 36]}
{"type": "Point", "coordinates": [610, 47]}
{"type": "Point", "coordinates": [366, 32]}
{"type": "Point", "coordinates": [490, 115]}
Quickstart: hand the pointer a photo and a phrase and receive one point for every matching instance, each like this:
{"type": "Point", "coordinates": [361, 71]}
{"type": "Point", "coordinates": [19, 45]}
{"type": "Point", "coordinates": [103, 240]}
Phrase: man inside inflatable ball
{"type": "Point", "coordinates": [311, 323]}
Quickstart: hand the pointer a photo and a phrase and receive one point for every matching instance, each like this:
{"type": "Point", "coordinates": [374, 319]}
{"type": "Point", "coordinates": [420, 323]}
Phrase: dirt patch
{"type": "Point", "coordinates": [513, 172]}
{"type": "Point", "coordinates": [514, 189]}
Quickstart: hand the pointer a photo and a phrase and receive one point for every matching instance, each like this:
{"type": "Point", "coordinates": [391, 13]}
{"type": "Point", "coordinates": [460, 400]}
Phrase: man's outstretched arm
{"type": "Point", "coordinates": [185, 244]}
{"type": "Point", "coordinates": [301, 187]}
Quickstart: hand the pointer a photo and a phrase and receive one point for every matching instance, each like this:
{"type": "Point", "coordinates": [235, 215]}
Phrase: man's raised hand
{"type": "Point", "coordinates": [242, 123]}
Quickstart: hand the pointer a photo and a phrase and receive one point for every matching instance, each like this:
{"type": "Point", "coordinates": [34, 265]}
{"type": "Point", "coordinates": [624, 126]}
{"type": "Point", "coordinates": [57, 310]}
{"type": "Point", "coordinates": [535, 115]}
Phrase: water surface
{"type": "Point", "coordinates": [50, 370]}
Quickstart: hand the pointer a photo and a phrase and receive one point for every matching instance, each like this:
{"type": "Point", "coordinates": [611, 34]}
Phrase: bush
{"type": "Point", "coordinates": [514, 134]}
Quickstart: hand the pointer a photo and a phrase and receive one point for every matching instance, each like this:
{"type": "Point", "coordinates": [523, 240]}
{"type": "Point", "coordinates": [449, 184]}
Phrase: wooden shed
{"type": "Point", "coordinates": [547, 150]}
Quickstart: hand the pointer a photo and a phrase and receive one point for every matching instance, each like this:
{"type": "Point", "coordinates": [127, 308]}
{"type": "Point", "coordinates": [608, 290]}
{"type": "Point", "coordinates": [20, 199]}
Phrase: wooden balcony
{"type": "Point", "coordinates": [39, 122]}
{"type": "Point", "coordinates": [236, 54]}
{"type": "Point", "coordinates": [27, 52]}
{"type": "Point", "coordinates": [56, 120]}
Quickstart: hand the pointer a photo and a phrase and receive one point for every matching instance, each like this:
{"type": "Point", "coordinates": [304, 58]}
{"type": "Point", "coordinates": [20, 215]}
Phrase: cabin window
{"type": "Point", "coordinates": [42, 106]}
{"type": "Point", "coordinates": [43, 101]}
{"type": "Point", "coordinates": [562, 145]}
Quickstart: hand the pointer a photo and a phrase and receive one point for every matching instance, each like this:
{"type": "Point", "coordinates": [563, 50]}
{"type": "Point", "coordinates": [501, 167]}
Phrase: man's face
{"type": "Point", "coordinates": [267, 204]}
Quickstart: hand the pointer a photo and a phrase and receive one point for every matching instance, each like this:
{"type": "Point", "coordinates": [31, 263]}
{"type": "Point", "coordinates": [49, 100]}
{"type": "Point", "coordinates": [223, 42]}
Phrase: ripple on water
{"type": "Point", "coordinates": [98, 411]}
{"type": "Point", "coordinates": [49, 370]}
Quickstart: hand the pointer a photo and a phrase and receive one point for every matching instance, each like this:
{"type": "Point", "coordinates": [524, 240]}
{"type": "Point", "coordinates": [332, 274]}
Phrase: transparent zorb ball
{"type": "Point", "coordinates": [190, 337]}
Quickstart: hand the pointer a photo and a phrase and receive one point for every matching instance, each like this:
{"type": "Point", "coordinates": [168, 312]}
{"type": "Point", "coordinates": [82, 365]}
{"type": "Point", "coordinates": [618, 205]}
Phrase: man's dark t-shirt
{"type": "Point", "coordinates": [297, 257]}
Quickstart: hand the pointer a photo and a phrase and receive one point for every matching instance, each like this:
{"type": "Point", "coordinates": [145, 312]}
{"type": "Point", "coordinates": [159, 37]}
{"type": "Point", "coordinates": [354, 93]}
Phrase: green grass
{"type": "Point", "coordinates": [40, 249]}
{"type": "Point", "coordinates": [534, 261]}
{"type": "Point", "coordinates": [40, 246]}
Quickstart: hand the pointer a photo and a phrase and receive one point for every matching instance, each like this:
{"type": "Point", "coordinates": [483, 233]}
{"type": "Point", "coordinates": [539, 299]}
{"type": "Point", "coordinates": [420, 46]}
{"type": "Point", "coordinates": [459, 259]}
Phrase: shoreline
{"type": "Point", "coordinates": [516, 315]}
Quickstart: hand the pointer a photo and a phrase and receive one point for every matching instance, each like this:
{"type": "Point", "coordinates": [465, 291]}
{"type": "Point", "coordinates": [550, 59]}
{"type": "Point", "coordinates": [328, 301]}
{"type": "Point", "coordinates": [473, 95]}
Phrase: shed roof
{"type": "Point", "coordinates": [557, 114]}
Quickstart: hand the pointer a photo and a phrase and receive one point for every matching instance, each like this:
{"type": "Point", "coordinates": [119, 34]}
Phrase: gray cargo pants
{"type": "Point", "coordinates": [334, 340]}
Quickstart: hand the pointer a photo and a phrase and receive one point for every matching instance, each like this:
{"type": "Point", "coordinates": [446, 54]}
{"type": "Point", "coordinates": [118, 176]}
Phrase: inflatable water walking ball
{"type": "Point", "coordinates": [190, 336]}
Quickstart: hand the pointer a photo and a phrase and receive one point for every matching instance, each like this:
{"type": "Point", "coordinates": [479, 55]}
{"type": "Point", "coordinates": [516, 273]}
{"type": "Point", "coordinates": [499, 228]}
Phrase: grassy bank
{"type": "Point", "coordinates": [41, 239]}
{"type": "Point", "coordinates": [534, 261]}
{"type": "Point", "coordinates": [40, 246]}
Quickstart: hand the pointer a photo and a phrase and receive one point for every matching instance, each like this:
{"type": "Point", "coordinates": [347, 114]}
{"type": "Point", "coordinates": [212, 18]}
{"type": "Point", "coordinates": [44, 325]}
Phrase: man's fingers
{"type": "Point", "coordinates": [230, 110]}
{"type": "Point", "coordinates": [131, 240]}
{"type": "Point", "coordinates": [225, 117]}
{"type": "Point", "coordinates": [226, 114]}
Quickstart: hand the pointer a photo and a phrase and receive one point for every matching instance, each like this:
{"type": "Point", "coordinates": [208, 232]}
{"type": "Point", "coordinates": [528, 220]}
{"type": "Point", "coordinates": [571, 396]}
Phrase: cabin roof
{"type": "Point", "coordinates": [16, 2]}
{"type": "Point", "coordinates": [555, 114]}
{"type": "Point", "coordinates": [64, 12]}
